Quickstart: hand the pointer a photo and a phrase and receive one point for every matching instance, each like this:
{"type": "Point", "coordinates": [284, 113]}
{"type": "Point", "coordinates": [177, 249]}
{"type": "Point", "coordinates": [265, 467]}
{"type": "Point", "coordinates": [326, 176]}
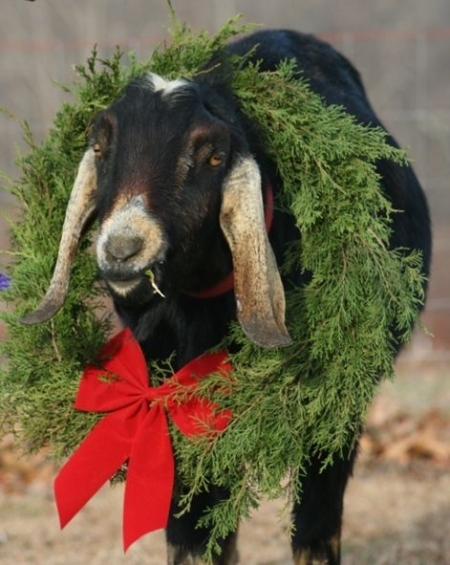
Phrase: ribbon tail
{"type": "Point", "coordinates": [150, 478]}
{"type": "Point", "coordinates": [98, 457]}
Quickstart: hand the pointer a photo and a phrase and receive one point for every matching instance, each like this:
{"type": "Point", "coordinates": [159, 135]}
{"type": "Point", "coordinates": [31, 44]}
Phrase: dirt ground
{"type": "Point", "coordinates": [397, 509]}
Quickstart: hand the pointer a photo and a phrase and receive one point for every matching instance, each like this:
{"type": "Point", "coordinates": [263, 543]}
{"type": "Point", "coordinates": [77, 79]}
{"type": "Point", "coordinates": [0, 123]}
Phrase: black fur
{"type": "Point", "coordinates": [143, 136]}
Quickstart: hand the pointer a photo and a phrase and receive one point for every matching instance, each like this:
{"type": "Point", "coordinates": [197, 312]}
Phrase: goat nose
{"type": "Point", "coordinates": [122, 248]}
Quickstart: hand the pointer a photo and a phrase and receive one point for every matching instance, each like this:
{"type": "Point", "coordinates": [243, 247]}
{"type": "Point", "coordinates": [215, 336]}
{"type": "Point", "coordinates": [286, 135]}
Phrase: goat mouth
{"type": "Point", "coordinates": [150, 278]}
{"type": "Point", "coordinates": [124, 287]}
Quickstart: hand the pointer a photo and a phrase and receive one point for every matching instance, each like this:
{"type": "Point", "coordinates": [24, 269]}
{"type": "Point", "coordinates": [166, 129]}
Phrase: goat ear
{"type": "Point", "coordinates": [79, 210]}
{"type": "Point", "coordinates": [258, 288]}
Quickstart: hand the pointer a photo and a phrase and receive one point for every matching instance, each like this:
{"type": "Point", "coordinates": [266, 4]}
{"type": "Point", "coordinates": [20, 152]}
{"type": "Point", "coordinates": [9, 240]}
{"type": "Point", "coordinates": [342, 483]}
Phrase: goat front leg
{"type": "Point", "coordinates": [317, 518]}
{"type": "Point", "coordinates": [186, 543]}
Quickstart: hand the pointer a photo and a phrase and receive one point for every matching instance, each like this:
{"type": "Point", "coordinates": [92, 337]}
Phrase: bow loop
{"type": "Point", "coordinates": [135, 430]}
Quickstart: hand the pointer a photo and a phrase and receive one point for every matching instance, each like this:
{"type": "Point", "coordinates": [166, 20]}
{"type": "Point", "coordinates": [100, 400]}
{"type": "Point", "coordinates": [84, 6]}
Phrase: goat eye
{"type": "Point", "coordinates": [216, 159]}
{"type": "Point", "coordinates": [97, 150]}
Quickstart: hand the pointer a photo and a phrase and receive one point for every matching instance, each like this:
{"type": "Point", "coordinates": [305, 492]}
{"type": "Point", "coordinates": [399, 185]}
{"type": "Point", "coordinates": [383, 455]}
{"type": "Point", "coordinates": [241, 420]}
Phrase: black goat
{"type": "Point", "coordinates": [174, 172]}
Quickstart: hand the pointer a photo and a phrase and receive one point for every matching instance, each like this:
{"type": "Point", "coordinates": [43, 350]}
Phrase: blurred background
{"type": "Point", "coordinates": [401, 48]}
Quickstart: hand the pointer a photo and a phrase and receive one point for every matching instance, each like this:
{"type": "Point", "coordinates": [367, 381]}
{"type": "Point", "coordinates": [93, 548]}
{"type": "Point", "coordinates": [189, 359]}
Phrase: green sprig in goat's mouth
{"type": "Point", "coordinates": [151, 277]}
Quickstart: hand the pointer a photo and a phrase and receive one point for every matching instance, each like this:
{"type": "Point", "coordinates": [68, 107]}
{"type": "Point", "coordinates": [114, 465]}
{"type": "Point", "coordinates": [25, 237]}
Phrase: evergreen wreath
{"type": "Point", "coordinates": [287, 404]}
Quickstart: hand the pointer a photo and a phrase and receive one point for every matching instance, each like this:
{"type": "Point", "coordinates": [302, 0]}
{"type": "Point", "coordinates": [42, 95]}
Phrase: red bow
{"type": "Point", "coordinates": [135, 429]}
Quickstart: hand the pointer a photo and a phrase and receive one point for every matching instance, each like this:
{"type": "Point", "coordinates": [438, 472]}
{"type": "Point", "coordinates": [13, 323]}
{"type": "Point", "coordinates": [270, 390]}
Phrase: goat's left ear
{"type": "Point", "coordinates": [258, 288]}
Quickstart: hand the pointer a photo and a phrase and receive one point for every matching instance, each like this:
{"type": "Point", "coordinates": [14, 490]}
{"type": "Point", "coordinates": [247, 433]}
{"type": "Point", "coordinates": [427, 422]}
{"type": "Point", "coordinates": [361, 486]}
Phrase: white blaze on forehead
{"type": "Point", "coordinates": [166, 86]}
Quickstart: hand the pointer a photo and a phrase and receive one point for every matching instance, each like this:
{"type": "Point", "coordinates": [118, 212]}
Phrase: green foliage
{"type": "Point", "coordinates": [289, 403]}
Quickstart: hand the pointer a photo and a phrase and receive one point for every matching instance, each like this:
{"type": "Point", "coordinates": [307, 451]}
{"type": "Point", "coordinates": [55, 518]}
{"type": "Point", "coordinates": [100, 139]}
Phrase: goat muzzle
{"type": "Point", "coordinates": [130, 243]}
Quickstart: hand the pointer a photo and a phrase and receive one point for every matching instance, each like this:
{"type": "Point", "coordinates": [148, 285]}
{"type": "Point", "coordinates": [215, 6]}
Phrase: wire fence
{"type": "Point", "coordinates": [403, 72]}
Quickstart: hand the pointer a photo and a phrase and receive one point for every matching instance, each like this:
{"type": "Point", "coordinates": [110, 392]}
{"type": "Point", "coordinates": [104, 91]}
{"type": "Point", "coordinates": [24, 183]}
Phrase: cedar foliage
{"type": "Point", "coordinates": [288, 403]}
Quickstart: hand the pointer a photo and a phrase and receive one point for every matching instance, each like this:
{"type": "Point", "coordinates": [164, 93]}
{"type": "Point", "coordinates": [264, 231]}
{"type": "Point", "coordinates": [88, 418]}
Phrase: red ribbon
{"type": "Point", "coordinates": [136, 429]}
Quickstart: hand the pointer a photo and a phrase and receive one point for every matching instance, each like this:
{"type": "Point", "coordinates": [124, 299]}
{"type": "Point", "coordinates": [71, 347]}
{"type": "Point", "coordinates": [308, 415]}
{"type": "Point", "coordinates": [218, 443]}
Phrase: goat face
{"type": "Point", "coordinates": [175, 189]}
{"type": "Point", "coordinates": [161, 161]}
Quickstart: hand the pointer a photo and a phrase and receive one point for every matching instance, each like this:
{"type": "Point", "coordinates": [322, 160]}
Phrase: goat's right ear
{"type": "Point", "coordinates": [258, 288]}
{"type": "Point", "coordinates": [79, 210]}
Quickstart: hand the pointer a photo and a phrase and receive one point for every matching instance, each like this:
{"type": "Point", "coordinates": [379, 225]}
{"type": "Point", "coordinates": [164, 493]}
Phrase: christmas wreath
{"type": "Point", "coordinates": [342, 322]}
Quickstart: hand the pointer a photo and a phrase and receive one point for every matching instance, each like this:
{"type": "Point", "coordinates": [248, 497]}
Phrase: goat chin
{"type": "Point", "coordinates": [124, 288]}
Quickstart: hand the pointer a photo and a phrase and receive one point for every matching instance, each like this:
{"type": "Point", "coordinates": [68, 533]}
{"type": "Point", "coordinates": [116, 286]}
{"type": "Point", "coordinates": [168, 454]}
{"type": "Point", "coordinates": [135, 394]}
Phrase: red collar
{"type": "Point", "coordinates": [227, 283]}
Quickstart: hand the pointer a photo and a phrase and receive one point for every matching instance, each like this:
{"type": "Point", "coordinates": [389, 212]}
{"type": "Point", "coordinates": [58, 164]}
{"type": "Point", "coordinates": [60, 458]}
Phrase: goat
{"type": "Point", "coordinates": [174, 173]}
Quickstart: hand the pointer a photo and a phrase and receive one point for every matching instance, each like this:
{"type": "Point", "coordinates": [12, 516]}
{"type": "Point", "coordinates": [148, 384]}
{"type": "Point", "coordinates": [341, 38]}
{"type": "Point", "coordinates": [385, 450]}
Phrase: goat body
{"type": "Point", "coordinates": [174, 171]}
